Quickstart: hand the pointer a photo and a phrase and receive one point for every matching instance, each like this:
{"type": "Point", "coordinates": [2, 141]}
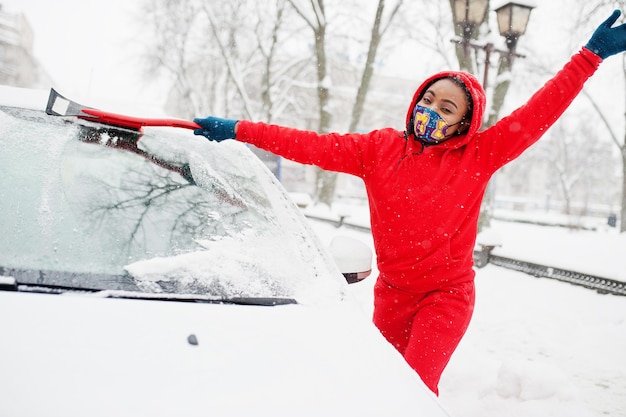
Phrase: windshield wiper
{"type": "Point", "coordinates": [10, 284]}
{"type": "Point", "coordinates": [63, 281]}
{"type": "Point", "coordinates": [199, 298]}
{"type": "Point", "coordinates": [111, 286]}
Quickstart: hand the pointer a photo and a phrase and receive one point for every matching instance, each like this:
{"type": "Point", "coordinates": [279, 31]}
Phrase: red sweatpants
{"type": "Point", "coordinates": [426, 328]}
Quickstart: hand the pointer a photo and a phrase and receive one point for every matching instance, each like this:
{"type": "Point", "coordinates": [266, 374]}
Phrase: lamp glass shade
{"type": "Point", "coordinates": [513, 19]}
{"type": "Point", "coordinates": [470, 12]}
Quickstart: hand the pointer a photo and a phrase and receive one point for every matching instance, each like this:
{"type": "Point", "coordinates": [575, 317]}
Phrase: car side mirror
{"type": "Point", "coordinates": [353, 257]}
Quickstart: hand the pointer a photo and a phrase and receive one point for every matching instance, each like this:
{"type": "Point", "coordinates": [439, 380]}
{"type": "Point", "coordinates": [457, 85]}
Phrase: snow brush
{"type": "Point", "coordinates": [61, 106]}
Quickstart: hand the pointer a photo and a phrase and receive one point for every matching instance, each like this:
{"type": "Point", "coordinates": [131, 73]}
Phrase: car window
{"type": "Point", "coordinates": [161, 212]}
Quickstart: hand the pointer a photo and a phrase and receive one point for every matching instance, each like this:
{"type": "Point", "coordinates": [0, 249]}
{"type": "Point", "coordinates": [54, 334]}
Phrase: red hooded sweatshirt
{"type": "Point", "coordinates": [425, 201]}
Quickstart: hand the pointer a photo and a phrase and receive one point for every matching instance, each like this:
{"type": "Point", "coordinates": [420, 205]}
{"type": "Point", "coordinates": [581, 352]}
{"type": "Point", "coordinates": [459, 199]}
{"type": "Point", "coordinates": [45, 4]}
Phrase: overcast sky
{"type": "Point", "coordinates": [89, 48]}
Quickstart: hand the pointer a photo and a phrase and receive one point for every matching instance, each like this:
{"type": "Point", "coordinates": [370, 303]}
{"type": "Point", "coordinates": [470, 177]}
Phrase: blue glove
{"type": "Point", "coordinates": [215, 129]}
{"type": "Point", "coordinates": [607, 41]}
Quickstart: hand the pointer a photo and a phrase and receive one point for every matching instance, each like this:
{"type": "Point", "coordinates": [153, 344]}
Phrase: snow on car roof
{"type": "Point", "coordinates": [37, 99]}
{"type": "Point", "coordinates": [23, 97]}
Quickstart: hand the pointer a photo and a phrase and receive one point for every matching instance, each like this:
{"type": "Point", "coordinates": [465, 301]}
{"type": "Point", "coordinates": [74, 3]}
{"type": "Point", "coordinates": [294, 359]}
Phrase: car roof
{"type": "Point", "coordinates": [37, 98]}
{"type": "Point", "coordinates": [28, 98]}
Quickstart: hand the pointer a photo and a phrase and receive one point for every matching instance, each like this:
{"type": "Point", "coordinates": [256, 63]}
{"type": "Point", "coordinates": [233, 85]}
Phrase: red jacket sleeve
{"type": "Point", "coordinates": [351, 153]}
{"type": "Point", "coordinates": [513, 134]}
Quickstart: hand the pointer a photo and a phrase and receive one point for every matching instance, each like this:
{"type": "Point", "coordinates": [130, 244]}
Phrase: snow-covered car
{"type": "Point", "coordinates": [159, 274]}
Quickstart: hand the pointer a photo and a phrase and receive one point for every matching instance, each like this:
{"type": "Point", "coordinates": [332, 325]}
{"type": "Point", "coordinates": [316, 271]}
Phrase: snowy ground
{"type": "Point", "coordinates": [535, 347]}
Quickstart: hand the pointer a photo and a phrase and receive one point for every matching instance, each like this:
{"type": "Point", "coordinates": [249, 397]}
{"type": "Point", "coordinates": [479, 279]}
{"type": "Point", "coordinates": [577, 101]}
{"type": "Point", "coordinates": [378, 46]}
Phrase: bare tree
{"type": "Point", "coordinates": [220, 66]}
{"type": "Point", "coordinates": [589, 13]}
{"type": "Point", "coordinates": [316, 18]}
{"type": "Point", "coordinates": [378, 30]}
{"type": "Point", "coordinates": [170, 47]}
{"type": "Point", "coordinates": [571, 160]}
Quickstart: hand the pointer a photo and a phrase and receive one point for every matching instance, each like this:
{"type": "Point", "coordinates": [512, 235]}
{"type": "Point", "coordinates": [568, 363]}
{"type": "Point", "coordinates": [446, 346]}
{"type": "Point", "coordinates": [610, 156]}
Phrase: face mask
{"type": "Point", "coordinates": [428, 126]}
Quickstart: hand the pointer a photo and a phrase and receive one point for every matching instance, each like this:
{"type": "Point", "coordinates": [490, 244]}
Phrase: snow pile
{"type": "Point", "coordinates": [535, 346]}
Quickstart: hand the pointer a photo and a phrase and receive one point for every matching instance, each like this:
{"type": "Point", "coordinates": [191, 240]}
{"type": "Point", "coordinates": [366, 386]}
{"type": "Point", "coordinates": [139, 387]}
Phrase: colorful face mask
{"type": "Point", "coordinates": [428, 126]}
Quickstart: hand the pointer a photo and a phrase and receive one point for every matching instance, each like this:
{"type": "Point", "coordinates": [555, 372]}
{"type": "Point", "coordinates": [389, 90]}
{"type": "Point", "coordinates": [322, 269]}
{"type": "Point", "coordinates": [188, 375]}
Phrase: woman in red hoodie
{"type": "Point", "coordinates": [425, 187]}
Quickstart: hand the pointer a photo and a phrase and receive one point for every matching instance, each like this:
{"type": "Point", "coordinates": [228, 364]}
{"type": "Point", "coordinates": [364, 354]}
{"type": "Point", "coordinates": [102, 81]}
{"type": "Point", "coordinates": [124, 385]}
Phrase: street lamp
{"type": "Point", "coordinates": [469, 15]}
{"type": "Point", "coordinates": [512, 19]}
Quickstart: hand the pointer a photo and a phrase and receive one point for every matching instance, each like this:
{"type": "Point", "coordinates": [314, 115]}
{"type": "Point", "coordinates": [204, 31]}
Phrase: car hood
{"type": "Point", "coordinates": [84, 355]}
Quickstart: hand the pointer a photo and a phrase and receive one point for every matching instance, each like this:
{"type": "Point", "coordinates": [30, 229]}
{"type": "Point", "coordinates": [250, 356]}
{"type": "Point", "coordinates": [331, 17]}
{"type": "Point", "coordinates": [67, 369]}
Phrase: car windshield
{"type": "Point", "coordinates": [94, 207]}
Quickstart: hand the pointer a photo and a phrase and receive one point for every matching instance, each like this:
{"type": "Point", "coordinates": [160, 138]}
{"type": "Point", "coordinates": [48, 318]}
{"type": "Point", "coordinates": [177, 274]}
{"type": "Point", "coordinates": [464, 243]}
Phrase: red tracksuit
{"type": "Point", "coordinates": [424, 205]}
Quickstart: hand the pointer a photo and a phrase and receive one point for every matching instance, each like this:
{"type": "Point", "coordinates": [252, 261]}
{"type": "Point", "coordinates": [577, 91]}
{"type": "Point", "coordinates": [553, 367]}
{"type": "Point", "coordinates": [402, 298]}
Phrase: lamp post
{"type": "Point", "coordinates": [512, 19]}
{"type": "Point", "coordinates": [469, 15]}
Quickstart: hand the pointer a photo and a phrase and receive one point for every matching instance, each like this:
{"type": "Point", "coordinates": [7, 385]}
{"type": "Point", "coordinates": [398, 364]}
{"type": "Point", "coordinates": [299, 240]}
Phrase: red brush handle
{"type": "Point", "coordinates": [135, 122]}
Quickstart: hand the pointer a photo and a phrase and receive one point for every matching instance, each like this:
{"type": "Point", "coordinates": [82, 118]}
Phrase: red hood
{"type": "Point", "coordinates": [475, 89]}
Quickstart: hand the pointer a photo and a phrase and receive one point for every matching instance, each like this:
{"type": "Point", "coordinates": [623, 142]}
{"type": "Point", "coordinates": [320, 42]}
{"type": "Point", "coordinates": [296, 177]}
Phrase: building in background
{"type": "Point", "coordinates": [18, 66]}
